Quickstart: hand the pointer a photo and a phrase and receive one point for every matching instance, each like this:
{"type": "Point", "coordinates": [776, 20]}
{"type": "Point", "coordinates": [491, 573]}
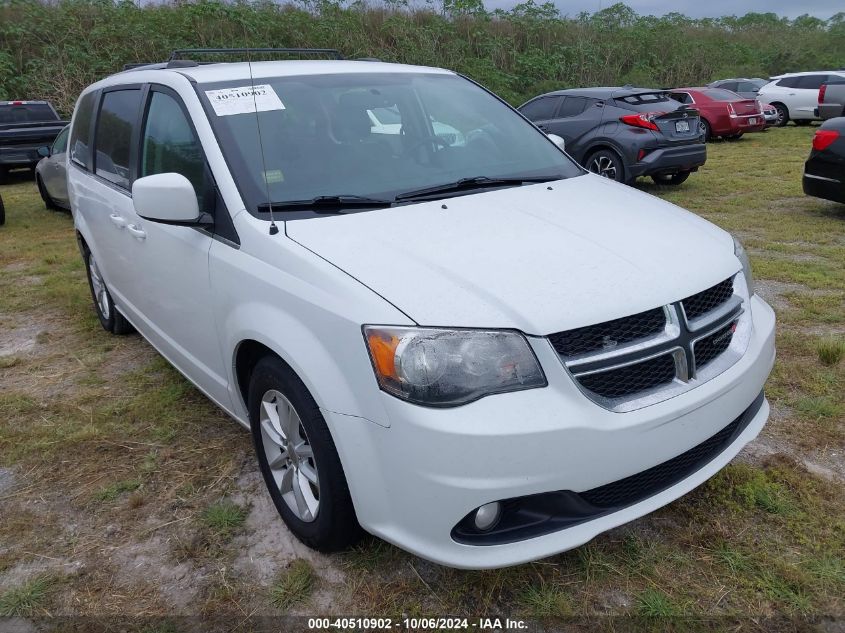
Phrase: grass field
{"type": "Point", "coordinates": [124, 491]}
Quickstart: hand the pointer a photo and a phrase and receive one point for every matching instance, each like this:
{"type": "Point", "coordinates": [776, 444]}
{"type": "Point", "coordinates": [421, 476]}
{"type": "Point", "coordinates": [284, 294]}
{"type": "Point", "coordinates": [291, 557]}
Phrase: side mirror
{"type": "Point", "coordinates": [166, 198]}
{"type": "Point", "coordinates": [557, 140]}
{"type": "Point", "coordinates": [43, 151]}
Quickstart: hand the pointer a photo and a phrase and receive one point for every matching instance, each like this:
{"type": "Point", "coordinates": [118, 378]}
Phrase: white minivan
{"type": "Point", "coordinates": [795, 96]}
{"type": "Point", "coordinates": [461, 342]}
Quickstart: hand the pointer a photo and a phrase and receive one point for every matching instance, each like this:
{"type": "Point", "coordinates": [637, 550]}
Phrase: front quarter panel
{"type": "Point", "coordinates": [309, 312]}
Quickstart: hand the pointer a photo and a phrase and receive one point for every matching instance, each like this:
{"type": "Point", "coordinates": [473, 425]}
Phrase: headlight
{"type": "Point", "coordinates": [742, 256]}
{"type": "Point", "coordinates": [446, 368]}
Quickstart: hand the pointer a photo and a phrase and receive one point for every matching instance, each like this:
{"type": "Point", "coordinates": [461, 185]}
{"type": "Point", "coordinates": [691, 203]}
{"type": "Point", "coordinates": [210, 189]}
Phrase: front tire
{"type": "Point", "coordinates": [607, 164]}
{"type": "Point", "coordinates": [48, 201]}
{"type": "Point", "coordinates": [670, 179]}
{"type": "Point", "coordinates": [110, 317]}
{"type": "Point", "coordinates": [298, 459]}
{"type": "Point", "coordinates": [783, 115]}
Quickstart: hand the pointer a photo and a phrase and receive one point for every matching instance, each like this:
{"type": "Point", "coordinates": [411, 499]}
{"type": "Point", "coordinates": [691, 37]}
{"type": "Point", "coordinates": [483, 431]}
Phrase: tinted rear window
{"type": "Point", "coordinates": [80, 134]}
{"type": "Point", "coordinates": [541, 108]}
{"type": "Point", "coordinates": [646, 101]}
{"type": "Point", "coordinates": [717, 94]}
{"type": "Point", "coordinates": [789, 82]}
{"type": "Point", "coordinates": [811, 82]}
{"type": "Point", "coordinates": [27, 113]}
{"type": "Point", "coordinates": [118, 115]}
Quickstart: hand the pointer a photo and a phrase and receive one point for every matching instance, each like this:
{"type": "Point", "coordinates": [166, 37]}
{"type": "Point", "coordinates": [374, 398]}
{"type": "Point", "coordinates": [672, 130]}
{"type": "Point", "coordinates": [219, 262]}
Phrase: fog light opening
{"type": "Point", "coordinates": [487, 516]}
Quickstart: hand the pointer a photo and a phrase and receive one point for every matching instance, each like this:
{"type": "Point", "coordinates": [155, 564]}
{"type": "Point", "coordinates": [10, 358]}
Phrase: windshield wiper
{"type": "Point", "coordinates": [465, 184]}
{"type": "Point", "coordinates": [326, 204]}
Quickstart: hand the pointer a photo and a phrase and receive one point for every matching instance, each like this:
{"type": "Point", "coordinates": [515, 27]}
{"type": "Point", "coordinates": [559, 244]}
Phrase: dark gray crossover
{"type": "Point", "coordinates": [623, 133]}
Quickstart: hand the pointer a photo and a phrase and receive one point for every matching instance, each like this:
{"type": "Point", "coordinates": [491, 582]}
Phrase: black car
{"type": "Point", "coordinates": [623, 133]}
{"type": "Point", "coordinates": [824, 171]}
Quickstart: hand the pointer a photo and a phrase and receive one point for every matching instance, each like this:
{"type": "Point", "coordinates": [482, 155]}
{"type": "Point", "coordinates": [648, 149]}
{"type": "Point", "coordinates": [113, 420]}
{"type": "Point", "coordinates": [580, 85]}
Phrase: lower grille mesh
{"type": "Point", "coordinates": [631, 379]}
{"type": "Point", "coordinates": [632, 489]}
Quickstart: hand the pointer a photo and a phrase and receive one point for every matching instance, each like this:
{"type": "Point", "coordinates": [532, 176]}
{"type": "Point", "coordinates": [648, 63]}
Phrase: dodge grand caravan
{"type": "Point", "coordinates": [444, 331]}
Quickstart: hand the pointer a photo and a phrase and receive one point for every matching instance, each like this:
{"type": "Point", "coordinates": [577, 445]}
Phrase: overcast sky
{"type": "Point", "coordinates": [697, 9]}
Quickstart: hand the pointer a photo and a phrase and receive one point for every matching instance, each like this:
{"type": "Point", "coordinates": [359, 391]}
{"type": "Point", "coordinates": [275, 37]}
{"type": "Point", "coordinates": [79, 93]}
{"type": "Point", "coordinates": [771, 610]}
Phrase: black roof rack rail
{"type": "Point", "coordinates": [135, 65]}
{"type": "Point", "coordinates": [178, 54]}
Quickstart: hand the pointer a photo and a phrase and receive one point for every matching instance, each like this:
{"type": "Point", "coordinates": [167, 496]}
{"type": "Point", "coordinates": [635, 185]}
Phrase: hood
{"type": "Point", "coordinates": [540, 258]}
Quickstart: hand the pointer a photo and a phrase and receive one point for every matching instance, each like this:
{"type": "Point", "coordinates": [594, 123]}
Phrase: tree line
{"type": "Point", "coordinates": [51, 49]}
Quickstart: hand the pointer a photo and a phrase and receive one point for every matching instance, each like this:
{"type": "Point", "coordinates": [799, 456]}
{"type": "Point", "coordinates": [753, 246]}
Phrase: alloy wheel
{"type": "Point", "coordinates": [604, 166]}
{"type": "Point", "coordinates": [100, 293]}
{"type": "Point", "coordinates": [289, 455]}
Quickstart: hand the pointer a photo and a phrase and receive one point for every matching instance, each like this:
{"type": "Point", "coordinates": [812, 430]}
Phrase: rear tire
{"type": "Point", "coordinates": [671, 179]}
{"type": "Point", "coordinates": [783, 114]}
{"type": "Point", "coordinates": [705, 130]}
{"type": "Point", "coordinates": [2, 213]}
{"type": "Point", "coordinates": [48, 201]}
{"type": "Point", "coordinates": [4, 175]}
{"type": "Point", "coordinates": [110, 317]}
{"type": "Point", "coordinates": [298, 459]}
{"type": "Point", "coordinates": [607, 164]}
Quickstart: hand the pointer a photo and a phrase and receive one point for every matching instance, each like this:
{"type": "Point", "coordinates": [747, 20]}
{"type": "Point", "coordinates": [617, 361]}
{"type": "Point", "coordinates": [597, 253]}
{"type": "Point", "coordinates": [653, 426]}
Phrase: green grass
{"type": "Point", "coordinates": [294, 586]}
{"type": "Point", "coordinates": [653, 603]}
{"type": "Point", "coordinates": [224, 518]}
{"type": "Point", "coordinates": [28, 599]}
{"type": "Point", "coordinates": [831, 350]}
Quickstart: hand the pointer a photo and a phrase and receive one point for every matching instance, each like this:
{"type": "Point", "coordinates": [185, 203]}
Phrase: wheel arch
{"type": "Point", "coordinates": [602, 144]}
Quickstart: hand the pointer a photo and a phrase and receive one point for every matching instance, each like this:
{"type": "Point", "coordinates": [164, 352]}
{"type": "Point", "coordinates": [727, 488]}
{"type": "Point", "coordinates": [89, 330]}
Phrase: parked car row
{"type": "Point", "coordinates": [622, 133]}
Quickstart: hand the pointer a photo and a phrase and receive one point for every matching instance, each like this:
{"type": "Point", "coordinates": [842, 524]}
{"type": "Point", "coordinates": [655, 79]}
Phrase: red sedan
{"type": "Point", "coordinates": [723, 113]}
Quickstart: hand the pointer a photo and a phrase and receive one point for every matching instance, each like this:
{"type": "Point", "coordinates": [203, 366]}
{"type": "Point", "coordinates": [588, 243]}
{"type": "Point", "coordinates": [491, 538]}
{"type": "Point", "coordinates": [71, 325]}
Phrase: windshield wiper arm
{"type": "Point", "coordinates": [326, 204]}
{"type": "Point", "coordinates": [464, 184]}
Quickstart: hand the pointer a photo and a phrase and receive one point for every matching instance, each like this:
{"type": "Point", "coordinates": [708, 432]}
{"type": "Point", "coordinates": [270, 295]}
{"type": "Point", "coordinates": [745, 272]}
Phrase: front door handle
{"type": "Point", "coordinates": [136, 231]}
{"type": "Point", "coordinates": [118, 221]}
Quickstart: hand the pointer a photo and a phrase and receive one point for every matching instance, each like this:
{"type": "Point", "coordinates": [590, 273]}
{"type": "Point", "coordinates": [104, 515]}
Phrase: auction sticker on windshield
{"type": "Point", "coordinates": [244, 100]}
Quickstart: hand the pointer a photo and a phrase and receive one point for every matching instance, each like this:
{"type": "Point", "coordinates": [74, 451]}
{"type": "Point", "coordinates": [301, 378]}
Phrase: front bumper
{"type": "Point", "coordinates": [670, 160]}
{"type": "Point", "coordinates": [413, 482]}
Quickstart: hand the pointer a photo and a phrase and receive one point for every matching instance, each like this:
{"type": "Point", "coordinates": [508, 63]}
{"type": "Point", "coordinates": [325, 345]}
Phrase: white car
{"type": "Point", "coordinates": [480, 353]}
{"type": "Point", "coordinates": [796, 95]}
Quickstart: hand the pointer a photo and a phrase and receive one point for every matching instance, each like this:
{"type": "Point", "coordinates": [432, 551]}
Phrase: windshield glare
{"type": "Point", "coordinates": [372, 135]}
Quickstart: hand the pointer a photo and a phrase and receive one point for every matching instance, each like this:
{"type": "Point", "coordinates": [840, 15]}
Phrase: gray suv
{"type": "Point", "coordinates": [623, 133]}
{"type": "Point", "coordinates": [746, 88]}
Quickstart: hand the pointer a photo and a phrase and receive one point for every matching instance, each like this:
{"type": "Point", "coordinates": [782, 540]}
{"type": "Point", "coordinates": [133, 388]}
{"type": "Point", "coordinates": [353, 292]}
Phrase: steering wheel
{"type": "Point", "coordinates": [427, 139]}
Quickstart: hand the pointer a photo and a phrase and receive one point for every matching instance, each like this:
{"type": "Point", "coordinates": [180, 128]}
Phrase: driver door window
{"type": "Point", "coordinates": [169, 144]}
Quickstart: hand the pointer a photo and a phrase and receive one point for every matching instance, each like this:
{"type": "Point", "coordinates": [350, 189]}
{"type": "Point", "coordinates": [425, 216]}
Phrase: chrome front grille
{"type": "Point", "coordinates": [629, 363]}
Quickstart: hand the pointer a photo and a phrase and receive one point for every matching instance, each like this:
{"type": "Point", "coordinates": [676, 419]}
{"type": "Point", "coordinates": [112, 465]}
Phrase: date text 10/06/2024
{"type": "Point", "coordinates": [417, 624]}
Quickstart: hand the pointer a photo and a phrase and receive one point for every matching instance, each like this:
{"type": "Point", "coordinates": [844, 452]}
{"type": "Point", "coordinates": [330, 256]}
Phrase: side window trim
{"type": "Point", "coordinates": [133, 139]}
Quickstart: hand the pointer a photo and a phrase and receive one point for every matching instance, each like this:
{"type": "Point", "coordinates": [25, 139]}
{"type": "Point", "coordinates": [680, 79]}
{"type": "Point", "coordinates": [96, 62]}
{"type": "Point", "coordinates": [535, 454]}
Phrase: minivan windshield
{"type": "Point", "coordinates": [362, 136]}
